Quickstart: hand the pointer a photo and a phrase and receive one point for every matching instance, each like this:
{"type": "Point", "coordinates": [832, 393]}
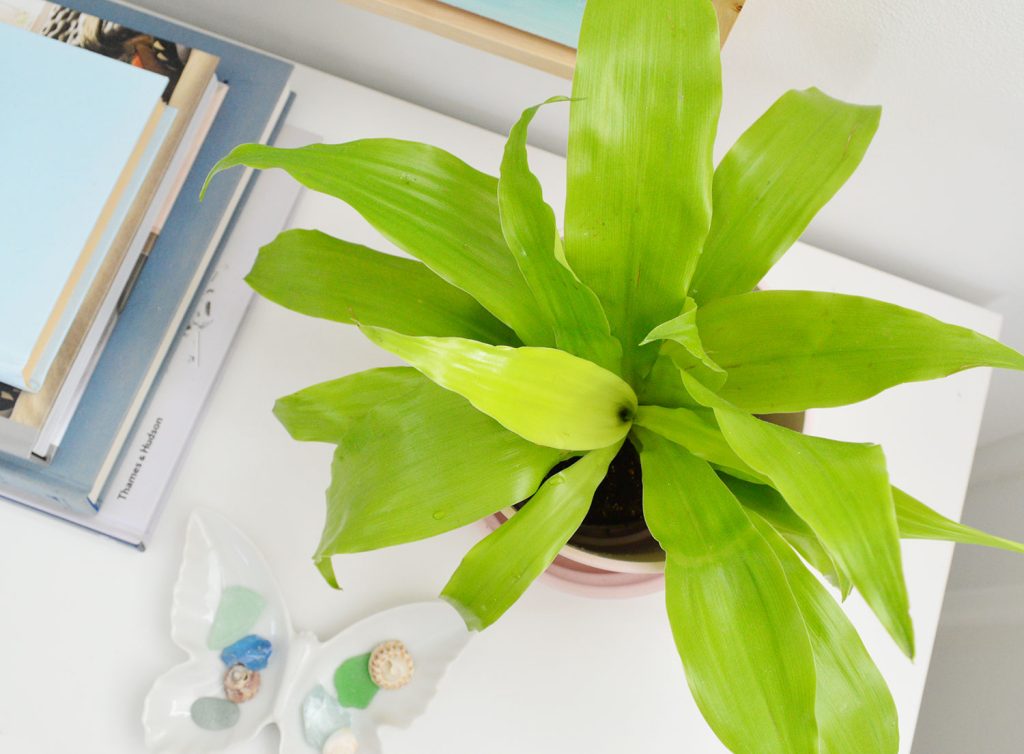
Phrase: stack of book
{"type": "Point", "coordinates": [109, 121]}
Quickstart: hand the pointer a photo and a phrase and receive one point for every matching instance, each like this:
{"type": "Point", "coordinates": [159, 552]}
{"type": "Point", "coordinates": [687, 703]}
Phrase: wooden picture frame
{"type": "Point", "coordinates": [500, 39]}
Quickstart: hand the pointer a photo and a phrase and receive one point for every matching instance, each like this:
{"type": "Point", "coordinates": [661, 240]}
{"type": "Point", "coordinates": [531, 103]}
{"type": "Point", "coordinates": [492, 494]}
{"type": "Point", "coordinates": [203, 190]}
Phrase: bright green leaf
{"type": "Point", "coordinates": [570, 308]}
{"type": "Point", "coordinates": [646, 98]}
{"type": "Point", "coordinates": [421, 463]}
{"type": "Point", "coordinates": [326, 568]}
{"type": "Point", "coordinates": [547, 396]}
{"type": "Point", "coordinates": [736, 624]}
{"type": "Point", "coordinates": [330, 410]}
{"type": "Point", "coordinates": [853, 706]}
{"type": "Point", "coordinates": [663, 386]}
{"type": "Point", "coordinates": [684, 360]}
{"type": "Point", "coordinates": [683, 330]}
{"type": "Point", "coordinates": [841, 490]}
{"type": "Point", "coordinates": [773, 182]}
{"type": "Point", "coordinates": [496, 572]}
{"type": "Point", "coordinates": [316, 274]}
{"type": "Point", "coordinates": [917, 521]}
{"type": "Point", "coordinates": [698, 432]}
{"type": "Point", "coordinates": [427, 202]}
{"type": "Point", "coordinates": [793, 350]}
{"type": "Point", "coordinates": [771, 506]}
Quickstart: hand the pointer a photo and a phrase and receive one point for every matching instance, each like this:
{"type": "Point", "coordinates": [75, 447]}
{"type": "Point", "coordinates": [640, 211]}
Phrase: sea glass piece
{"type": "Point", "coordinates": [252, 651]}
{"type": "Point", "coordinates": [322, 717]}
{"type": "Point", "coordinates": [212, 713]}
{"type": "Point", "coordinates": [237, 613]}
{"type": "Point", "coordinates": [353, 683]}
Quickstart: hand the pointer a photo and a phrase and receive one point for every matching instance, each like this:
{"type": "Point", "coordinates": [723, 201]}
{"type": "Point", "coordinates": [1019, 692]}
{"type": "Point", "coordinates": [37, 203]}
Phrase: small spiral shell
{"type": "Point", "coordinates": [241, 684]}
{"type": "Point", "coordinates": [391, 665]}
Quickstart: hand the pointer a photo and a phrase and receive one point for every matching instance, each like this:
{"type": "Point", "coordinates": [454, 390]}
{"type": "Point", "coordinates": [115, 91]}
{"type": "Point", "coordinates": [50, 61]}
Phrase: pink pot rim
{"type": "Point", "coordinates": [582, 579]}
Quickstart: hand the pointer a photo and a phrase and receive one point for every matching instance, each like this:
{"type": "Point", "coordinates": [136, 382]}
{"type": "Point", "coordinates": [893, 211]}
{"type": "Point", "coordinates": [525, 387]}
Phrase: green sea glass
{"type": "Point", "coordinates": [237, 613]}
{"type": "Point", "coordinates": [353, 683]}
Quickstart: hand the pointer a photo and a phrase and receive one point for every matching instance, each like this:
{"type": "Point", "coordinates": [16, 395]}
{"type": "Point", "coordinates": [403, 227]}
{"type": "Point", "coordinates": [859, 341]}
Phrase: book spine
{"type": "Point", "coordinates": [164, 429]}
{"type": "Point", "coordinates": [117, 446]}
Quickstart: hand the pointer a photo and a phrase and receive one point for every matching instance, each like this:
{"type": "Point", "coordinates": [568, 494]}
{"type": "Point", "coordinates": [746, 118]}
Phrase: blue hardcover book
{"type": "Point", "coordinates": [76, 131]}
{"type": "Point", "coordinates": [75, 477]}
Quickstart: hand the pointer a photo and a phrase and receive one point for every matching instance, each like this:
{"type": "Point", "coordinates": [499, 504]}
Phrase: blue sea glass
{"type": "Point", "coordinates": [252, 651]}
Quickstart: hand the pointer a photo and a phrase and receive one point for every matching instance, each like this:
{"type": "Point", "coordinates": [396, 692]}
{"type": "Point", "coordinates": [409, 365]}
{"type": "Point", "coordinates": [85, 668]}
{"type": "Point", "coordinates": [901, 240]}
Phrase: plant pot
{"type": "Point", "coordinates": [615, 560]}
{"type": "Point", "coordinates": [612, 572]}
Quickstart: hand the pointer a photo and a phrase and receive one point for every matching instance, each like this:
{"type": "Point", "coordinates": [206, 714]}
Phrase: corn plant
{"type": "Point", "coordinates": [638, 322]}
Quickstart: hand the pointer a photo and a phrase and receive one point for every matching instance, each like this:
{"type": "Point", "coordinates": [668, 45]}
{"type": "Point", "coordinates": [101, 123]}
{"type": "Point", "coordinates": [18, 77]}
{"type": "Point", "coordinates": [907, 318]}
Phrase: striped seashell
{"type": "Point", "coordinates": [391, 665]}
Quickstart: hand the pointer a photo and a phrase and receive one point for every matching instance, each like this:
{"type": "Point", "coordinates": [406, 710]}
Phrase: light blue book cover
{"type": "Point", "coordinates": [256, 83]}
{"type": "Point", "coordinates": [106, 240]}
{"type": "Point", "coordinates": [69, 121]}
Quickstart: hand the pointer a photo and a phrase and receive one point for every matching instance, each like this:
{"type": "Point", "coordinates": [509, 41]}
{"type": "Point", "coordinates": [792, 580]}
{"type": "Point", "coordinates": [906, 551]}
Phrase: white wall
{"type": "Point", "coordinates": [972, 701]}
{"type": "Point", "coordinates": [1004, 414]}
{"type": "Point", "coordinates": [940, 196]}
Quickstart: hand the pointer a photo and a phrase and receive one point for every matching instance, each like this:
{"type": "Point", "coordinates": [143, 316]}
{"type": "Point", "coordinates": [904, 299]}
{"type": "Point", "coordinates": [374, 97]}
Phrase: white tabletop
{"type": "Point", "coordinates": [84, 627]}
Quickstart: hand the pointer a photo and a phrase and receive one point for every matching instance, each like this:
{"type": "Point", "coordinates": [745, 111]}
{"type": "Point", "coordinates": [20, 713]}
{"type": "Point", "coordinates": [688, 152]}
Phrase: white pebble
{"type": "Point", "coordinates": [341, 742]}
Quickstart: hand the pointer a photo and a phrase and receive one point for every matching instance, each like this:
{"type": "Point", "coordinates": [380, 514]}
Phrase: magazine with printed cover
{"type": "Point", "coordinates": [107, 38]}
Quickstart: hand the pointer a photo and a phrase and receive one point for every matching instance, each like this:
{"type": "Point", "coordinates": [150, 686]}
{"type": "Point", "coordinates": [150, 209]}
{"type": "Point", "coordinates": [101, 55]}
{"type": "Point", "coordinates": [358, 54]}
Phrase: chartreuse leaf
{"type": "Point", "coordinates": [917, 521]}
{"type": "Point", "coordinates": [736, 624]}
{"type": "Point", "coordinates": [422, 462]}
{"type": "Point", "coordinates": [853, 706]}
{"type": "Point", "coordinates": [773, 182]}
{"type": "Point", "coordinates": [496, 572]}
{"type": "Point", "coordinates": [570, 309]}
{"type": "Point", "coordinates": [681, 343]}
{"type": "Point", "coordinates": [772, 507]}
{"type": "Point", "coordinates": [793, 350]}
{"type": "Point", "coordinates": [698, 432]}
{"type": "Point", "coordinates": [546, 396]}
{"type": "Point", "coordinates": [684, 361]}
{"type": "Point", "coordinates": [842, 491]}
{"type": "Point", "coordinates": [330, 410]}
{"type": "Point", "coordinates": [683, 330]}
{"type": "Point", "coordinates": [663, 386]}
{"type": "Point", "coordinates": [646, 98]}
{"type": "Point", "coordinates": [316, 274]}
{"type": "Point", "coordinates": [427, 202]}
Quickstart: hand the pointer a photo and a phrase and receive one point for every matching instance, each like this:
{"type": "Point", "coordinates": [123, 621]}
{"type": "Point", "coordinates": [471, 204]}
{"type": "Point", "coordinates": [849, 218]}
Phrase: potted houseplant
{"type": "Point", "coordinates": [537, 359]}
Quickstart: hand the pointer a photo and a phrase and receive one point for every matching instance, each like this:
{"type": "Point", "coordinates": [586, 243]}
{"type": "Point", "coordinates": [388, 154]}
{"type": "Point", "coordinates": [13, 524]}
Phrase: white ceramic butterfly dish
{"type": "Point", "coordinates": [247, 668]}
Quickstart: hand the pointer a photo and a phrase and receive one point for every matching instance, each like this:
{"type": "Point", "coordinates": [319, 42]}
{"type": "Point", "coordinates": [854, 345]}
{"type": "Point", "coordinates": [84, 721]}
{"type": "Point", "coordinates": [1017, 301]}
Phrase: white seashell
{"type": "Point", "coordinates": [391, 665]}
{"type": "Point", "coordinates": [341, 742]}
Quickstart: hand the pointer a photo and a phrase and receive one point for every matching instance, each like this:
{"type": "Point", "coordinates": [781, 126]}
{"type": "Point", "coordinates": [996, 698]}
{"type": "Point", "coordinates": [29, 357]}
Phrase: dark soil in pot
{"type": "Point", "coordinates": [615, 524]}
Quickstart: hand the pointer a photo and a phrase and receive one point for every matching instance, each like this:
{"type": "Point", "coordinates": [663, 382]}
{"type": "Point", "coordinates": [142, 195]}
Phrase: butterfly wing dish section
{"type": "Point", "coordinates": [229, 617]}
{"type": "Point", "coordinates": [383, 670]}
